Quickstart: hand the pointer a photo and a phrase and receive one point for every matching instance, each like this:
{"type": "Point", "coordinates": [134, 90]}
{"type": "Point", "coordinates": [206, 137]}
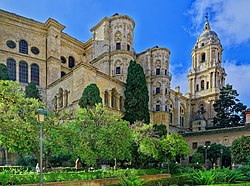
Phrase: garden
{"type": "Point", "coordinates": [129, 146]}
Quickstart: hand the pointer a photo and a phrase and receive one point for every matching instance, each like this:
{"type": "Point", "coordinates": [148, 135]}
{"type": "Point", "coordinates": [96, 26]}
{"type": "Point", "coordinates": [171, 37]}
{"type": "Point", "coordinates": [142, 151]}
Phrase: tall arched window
{"type": "Point", "coordinates": [121, 103]}
{"type": "Point", "coordinates": [71, 62]}
{"type": "Point", "coordinates": [203, 57]}
{"type": "Point", "coordinates": [23, 47]}
{"type": "Point", "coordinates": [23, 72]}
{"type": "Point", "coordinates": [113, 99]}
{"type": "Point", "coordinates": [35, 74]}
{"type": "Point", "coordinates": [197, 88]}
{"type": "Point", "coordinates": [202, 85]}
{"type": "Point", "coordinates": [106, 98]}
{"type": "Point", "coordinates": [55, 103]}
{"type": "Point", "coordinates": [11, 65]}
{"type": "Point", "coordinates": [171, 115]}
{"type": "Point", "coordinates": [60, 98]}
{"type": "Point", "coordinates": [182, 116]}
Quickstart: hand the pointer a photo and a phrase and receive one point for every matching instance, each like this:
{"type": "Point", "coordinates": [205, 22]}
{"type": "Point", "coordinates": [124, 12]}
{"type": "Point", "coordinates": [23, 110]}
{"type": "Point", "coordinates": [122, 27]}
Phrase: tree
{"type": "Point", "coordinates": [4, 75]}
{"type": "Point", "coordinates": [214, 152]}
{"type": "Point", "coordinates": [136, 95]}
{"type": "Point", "coordinates": [96, 135]}
{"type": "Point", "coordinates": [229, 109]}
{"type": "Point", "coordinates": [31, 91]}
{"type": "Point", "coordinates": [174, 145]}
{"type": "Point", "coordinates": [240, 149]}
{"type": "Point", "coordinates": [19, 131]}
{"type": "Point", "coordinates": [90, 96]}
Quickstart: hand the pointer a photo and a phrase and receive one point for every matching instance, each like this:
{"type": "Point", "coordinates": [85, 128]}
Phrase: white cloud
{"type": "Point", "coordinates": [239, 77]}
{"type": "Point", "coordinates": [229, 18]}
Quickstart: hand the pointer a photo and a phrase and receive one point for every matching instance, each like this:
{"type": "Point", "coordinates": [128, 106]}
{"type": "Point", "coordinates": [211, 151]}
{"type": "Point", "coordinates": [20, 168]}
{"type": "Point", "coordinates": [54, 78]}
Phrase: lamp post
{"type": "Point", "coordinates": [221, 155]}
{"type": "Point", "coordinates": [206, 148]}
{"type": "Point", "coordinates": [41, 113]}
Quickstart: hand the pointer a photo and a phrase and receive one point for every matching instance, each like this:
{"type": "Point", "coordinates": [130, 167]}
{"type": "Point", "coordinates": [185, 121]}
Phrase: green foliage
{"type": "Point", "coordinates": [96, 134]}
{"type": "Point", "coordinates": [240, 149]}
{"type": "Point", "coordinates": [173, 145]}
{"type": "Point", "coordinates": [31, 91]}
{"type": "Point", "coordinates": [203, 177]}
{"type": "Point", "coordinates": [90, 96]}
{"type": "Point", "coordinates": [160, 130]}
{"type": "Point", "coordinates": [130, 180]}
{"type": "Point", "coordinates": [228, 176]}
{"type": "Point", "coordinates": [229, 109]}
{"type": "Point", "coordinates": [136, 95]}
{"type": "Point", "coordinates": [4, 75]}
{"type": "Point", "coordinates": [198, 157]}
{"type": "Point", "coordinates": [19, 130]}
{"type": "Point", "coordinates": [8, 177]}
{"type": "Point", "coordinates": [214, 152]}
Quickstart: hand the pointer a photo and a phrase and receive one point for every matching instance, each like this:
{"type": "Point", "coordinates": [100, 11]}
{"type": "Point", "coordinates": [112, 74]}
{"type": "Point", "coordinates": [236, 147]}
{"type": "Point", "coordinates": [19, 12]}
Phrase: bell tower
{"type": "Point", "coordinates": [206, 75]}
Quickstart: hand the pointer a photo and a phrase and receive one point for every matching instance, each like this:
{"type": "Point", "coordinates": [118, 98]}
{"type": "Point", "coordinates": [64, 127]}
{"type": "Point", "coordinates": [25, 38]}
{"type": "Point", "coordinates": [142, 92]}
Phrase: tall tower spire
{"type": "Point", "coordinates": [206, 25]}
{"type": "Point", "coordinates": [206, 76]}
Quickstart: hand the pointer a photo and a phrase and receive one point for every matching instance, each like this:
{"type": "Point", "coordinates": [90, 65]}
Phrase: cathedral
{"type": "Point", "coordinates": [62, 67]}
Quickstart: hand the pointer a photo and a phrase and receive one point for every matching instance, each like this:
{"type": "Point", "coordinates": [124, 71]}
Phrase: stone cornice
{"type": "Point", "coordinates": [111, 19]}
{"type": "Point", "coordinates": [153, 49]}
{"type": "Point", "coordinates": [53, 23]}
{"type": "Point", "coordinates": [85, 65]}
{"type": "Point", "coordinates": [246, 127]}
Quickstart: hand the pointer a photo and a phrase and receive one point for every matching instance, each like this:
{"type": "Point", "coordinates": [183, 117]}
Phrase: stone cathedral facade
{"type": "Point", "coordinates": [62, 67]}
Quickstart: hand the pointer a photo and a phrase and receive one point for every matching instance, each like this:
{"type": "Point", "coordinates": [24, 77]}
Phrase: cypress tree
{"type": "Point", "coordinates": [136, 95]}
{"type": "Point", "coordinates": [90, 96]}
{"type": "Point", "coordinates": [4, 75]}
{"type": "Point", "coordinates": [31, 91]}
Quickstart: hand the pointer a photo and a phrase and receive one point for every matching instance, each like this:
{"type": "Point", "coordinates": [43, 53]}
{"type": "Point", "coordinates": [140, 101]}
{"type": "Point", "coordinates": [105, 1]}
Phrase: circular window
{"type": "Point", "coordinates": [11, 44]}
{"type": "Point", "coordinates": [63, 60]}
{"type": "Point", "coordinates": [35, 50]}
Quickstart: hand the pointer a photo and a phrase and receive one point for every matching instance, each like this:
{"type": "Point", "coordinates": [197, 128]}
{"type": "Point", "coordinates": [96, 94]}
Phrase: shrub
{"type": "Point", "coordinates": [228, 176]}
{"type": "Point", "coordinates": [202, 177]}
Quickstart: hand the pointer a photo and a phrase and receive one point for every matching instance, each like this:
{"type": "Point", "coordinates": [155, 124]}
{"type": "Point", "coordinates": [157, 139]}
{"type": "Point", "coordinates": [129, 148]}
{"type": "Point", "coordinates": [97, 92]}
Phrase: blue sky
{"type": "Point", "coordinates": [172, 24]}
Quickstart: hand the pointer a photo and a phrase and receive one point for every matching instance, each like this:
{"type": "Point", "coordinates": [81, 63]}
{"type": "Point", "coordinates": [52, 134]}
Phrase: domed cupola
{"type": "Point", "coordinates": [207, 36]}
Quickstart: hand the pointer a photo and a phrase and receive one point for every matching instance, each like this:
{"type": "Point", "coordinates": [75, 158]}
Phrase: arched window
{"type": "Point", "coordinates": [55, 103]}
{"type": "Point", "coordinates": [158, 71]}
{"type": "Point", "coordinates": [171, 115]}
{"type": "Point", "coordinates": [113, 99]}
{"type": "Point", "coordinates": [60, 98]}
{"type": "Point", "coordinates": [23, 72]}
{"type": "Point", "coordinates": [203, 57]}
{"type": "Point", "coordinates": [66, 97]}
{"type": "Point", "coordinates": [118, 46]}
{"type": "Point", "coordinates": [63, 60]}
{"type": "Point", "coordinates": [182, 116]}
{"type": "Point", "coordinates": [158, 106]}
{"type": "Point", "coordinates": [23, 47]}
{"type": "Point", "coordinates": [118, 70]}
{"type": "Point", "coordinates": [121, 103]}
{"type": "Point", "coordinates": [207, 85]}
{"type": "Point", "coordinates": [11, 65]}
{"type": "Point", "coordinates": [128, 47]}
{"type": "Point", "coordinates": [106, 98]}
{"type": "Point", "coordinates": [202, 85]}
{"type": "Point", "coordinates": [35, 74]}
{"type": "Point", "coordinates": [71, 62]}
{"type": "Point", "coordinates": [197, 88]}
{"type": "Point", "coordinates": [63, 73]}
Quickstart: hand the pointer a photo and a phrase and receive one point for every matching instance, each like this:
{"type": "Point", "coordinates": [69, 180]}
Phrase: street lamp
{"type": "Point", "coordinates": [221, 155]}
{"type": "Point", "coordinates": [41, 113]}
{"type": "Point", "coordinates": [206, 148]}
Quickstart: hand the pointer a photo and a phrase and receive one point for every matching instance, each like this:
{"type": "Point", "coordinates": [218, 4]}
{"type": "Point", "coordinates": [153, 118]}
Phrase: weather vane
{"type": "Point", "coordinates": [206, 16]}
